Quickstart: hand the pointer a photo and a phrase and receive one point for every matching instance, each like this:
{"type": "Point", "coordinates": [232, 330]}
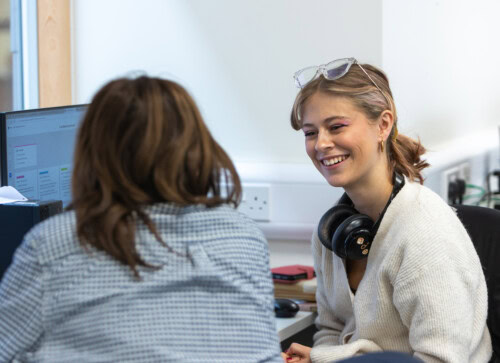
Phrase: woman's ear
{"type": "Point", "coordinates": [386, 121]}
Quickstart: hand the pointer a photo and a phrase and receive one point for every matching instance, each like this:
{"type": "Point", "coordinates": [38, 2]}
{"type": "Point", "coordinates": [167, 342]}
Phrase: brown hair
{"type": "Point", "coordinates": [402, 151]}
{"type": "Point", "coordinates": [143, 141]}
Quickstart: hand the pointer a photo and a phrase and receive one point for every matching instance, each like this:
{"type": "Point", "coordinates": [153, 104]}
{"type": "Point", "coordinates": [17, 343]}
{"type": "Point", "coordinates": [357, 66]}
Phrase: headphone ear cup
{"type": "Point", "coordinates": [346, 240]}
{"type": "Point", "coordinates": [330, 222]}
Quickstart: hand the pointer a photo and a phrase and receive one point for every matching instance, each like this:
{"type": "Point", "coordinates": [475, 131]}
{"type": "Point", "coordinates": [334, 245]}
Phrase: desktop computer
{"type": "Point", "coordinates": [36, 151]}
{"type": "Point", "coordinates": [36, 158]}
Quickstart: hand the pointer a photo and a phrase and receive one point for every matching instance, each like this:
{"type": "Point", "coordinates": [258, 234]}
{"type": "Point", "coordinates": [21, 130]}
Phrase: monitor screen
{"type": "Point", "coordinates": [37, 151]}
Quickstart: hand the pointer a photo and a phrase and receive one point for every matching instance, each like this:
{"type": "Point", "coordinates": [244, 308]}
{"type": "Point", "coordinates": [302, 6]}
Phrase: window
{"type": "Point", "coordinates": [18, 47]}
{"type": "Point", "coordinates": [5, 58]}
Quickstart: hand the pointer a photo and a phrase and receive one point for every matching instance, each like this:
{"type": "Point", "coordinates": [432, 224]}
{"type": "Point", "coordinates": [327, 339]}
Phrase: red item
{"type": "Point", "coordinates": [292, 273]}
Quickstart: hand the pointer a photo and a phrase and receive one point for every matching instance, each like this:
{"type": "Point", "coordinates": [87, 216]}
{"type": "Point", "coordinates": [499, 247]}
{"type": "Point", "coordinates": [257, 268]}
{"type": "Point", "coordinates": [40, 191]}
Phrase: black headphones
{"type": "Point", "coordinates": [348, 233]}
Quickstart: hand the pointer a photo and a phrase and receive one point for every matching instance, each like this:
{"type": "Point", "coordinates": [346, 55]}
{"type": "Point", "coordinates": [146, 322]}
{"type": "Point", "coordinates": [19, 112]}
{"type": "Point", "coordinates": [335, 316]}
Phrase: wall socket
{"type": "Point", "coordinates": [255, 201]}
{"type": "Point", "coordinates": [461, 171]}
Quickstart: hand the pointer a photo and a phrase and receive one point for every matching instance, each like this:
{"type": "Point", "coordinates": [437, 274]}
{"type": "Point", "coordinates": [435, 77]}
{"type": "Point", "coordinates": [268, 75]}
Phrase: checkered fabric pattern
{"type": "Point", "coordinates": [62, 303]}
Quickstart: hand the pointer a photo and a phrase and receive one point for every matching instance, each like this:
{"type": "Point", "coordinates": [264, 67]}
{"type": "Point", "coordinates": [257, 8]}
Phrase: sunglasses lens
{"type": "Point", "coordinates": [333, 70]}
{"type": "Point", "coordinates": [337, 72]}
{"type": "Point", "coordinates": [306, 75]}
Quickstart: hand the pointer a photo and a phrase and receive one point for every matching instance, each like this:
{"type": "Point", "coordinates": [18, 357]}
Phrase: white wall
{"type": "Point", "coordinates": [442, 58]}
{"type": "Point", "coordinates": [236, 57]}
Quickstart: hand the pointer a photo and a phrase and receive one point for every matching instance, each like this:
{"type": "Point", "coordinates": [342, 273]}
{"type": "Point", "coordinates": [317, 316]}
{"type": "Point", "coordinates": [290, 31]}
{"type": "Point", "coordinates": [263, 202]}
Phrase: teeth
{"type": "Point", "coordinates": [334, 160]}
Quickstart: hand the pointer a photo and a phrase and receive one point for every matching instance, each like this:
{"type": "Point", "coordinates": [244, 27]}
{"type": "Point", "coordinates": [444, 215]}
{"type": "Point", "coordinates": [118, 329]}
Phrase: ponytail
{"type": "Point", "coordinates": [404, 156]}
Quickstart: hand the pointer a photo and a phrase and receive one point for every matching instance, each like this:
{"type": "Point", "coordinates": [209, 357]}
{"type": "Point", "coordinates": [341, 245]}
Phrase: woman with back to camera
{"type": "Point", "coordinates": [152, 263]}
{"type": "Point", "coordinates": [396, 269]}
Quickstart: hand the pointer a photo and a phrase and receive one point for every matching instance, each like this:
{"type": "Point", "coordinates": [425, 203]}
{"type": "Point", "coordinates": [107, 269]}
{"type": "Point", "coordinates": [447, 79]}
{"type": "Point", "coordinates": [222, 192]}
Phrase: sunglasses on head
{"type": "Point", "coordinates": [331, 71]}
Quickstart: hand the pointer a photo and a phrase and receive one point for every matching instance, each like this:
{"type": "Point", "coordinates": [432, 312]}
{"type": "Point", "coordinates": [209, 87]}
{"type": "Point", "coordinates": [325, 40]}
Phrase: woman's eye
{"type": "Point", "coordinates": [336, 127]}
{"type": "Point", "coordinates": [309, 133]}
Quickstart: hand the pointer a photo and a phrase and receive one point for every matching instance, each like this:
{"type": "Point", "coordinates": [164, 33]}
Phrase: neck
{"type": "Point", "coordinates": [371, 197]}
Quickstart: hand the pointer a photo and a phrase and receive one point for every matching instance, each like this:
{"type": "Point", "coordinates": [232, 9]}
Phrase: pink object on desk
{"type": "Point", "coordinates": [292, 273]}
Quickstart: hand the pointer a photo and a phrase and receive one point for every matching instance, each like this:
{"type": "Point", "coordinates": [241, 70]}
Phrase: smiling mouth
{"type": "Point", "coordinates": [333, 161]}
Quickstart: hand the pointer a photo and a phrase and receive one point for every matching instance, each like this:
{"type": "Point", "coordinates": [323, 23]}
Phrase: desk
{"type": "Point", "coordinates": [290, 326]}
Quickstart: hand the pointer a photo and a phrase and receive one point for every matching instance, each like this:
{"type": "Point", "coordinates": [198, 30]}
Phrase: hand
{"type": "Point", "coordinates": [297, 353]}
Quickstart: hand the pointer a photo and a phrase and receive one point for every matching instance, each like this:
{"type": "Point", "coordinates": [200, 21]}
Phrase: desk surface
{"type": "Point", "coordinates": [289, 326]}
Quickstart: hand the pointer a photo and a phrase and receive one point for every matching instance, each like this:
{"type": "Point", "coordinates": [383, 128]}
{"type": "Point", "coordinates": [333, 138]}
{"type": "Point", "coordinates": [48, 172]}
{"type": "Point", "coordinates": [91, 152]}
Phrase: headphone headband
{"type": "Point", "coordinates": [398, 181]}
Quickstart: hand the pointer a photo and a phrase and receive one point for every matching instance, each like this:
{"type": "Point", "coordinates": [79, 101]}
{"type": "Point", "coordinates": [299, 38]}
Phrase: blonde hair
{"type": "Point", "coordinates": [403, 152]}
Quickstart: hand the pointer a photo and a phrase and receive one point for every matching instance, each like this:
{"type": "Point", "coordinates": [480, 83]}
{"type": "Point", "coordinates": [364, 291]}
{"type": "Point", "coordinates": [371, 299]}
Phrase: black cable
{"type": "Point", "coordinates": [460, 190]}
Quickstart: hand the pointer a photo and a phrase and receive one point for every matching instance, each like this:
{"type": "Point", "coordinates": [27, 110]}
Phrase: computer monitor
{"type": "Point", "coordinates": [36, 150]}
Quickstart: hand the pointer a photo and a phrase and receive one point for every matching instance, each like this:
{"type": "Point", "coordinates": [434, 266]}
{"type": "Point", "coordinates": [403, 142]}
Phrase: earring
{"type": "Point", "coordinates": [382, 145]}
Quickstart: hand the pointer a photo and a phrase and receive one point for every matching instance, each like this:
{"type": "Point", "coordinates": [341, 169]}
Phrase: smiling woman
{"type": "Point", "coordinates": [371, 96]}
{"type": "Point", "coordinates": [390, 242]}
{"type": "Point", "coordinates": [340, 140]}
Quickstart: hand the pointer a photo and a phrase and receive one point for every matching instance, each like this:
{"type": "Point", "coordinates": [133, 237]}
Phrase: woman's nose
{"type": "Point", "coordinates": [324, 142]}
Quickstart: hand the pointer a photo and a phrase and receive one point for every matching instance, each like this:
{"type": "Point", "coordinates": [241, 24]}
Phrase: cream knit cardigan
{"type": "Point", "coordinates": [423, 291]}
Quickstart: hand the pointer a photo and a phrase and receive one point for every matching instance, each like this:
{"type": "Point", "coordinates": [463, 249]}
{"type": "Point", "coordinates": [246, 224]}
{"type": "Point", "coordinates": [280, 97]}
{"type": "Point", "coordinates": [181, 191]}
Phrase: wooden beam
{"type": "Point", "coordinates": [54, 53]}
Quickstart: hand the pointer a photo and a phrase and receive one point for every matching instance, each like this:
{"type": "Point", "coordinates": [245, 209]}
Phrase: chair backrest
{"type": "Point", "coordinates": [483, 226]}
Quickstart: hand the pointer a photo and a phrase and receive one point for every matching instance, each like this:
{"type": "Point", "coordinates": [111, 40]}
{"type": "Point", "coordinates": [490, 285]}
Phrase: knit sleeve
{"type": "Point", "coordinates": [20, 303]}
{"type": "Point", "coordinates": [329, 326]}
{"type": "Point", "coordinates": [328, 354]}
{"type": "Point", "coordinates": [444, 307]}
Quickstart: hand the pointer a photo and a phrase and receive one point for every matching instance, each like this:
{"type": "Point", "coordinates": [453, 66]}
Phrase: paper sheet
{"type": "Point", "coordinates": [9, 194]}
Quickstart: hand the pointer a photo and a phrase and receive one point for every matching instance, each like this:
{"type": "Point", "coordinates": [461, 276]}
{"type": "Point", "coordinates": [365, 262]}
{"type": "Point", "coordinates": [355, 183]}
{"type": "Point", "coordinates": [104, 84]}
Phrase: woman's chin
{"type": "Point", "coordinates": [336, 178]}
{"type": "Point", "coordinates": [335, 182]}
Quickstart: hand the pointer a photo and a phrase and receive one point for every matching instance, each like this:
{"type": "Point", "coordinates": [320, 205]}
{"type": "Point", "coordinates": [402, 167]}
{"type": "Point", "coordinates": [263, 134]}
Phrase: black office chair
{"type": "Point", "coordinates": [483, 226]}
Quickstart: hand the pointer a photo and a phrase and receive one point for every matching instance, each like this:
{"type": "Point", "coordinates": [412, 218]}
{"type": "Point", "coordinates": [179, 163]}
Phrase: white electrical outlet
{"type": "Point", "coordinates": [255, 201]}
{"type": "Point", "coordinates": [461, 171]}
